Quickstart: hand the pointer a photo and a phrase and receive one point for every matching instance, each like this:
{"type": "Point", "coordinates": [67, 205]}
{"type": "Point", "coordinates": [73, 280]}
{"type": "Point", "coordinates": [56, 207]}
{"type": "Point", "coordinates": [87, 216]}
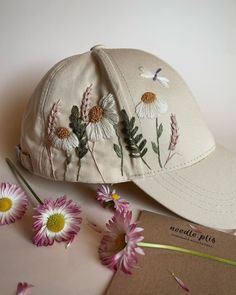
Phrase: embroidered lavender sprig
{"type": "Point", "coordinates": [51, 129]}
{"type": "Point", "coordinates": [53, 117]}
{"type": "Point", "coordinates": [85, 104]}
{"type": "Point", "coordinates": [173, 138]}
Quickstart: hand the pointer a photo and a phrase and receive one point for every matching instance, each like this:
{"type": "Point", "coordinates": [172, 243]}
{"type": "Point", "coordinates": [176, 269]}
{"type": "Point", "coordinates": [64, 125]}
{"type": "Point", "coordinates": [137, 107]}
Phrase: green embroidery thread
{"type": "Point", "coordinates": [79, 128]}
{"type": "Point", "coordinates": [119, 150]}
{"type": "Point", "coordinates": [156, 146]}
{"type": "Point", "coordinates": [135, 143]}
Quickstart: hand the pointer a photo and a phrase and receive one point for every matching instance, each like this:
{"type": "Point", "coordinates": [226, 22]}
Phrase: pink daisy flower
{"type": "Point", "coordinates": [22, 288]}
{"type": "Point", "coordinates": [56, 220]}
{"type": "Point", "coordinates": [109, 198]}
{"type": "Point", "coordinates": [13, 203]}
{"type": "Point", "coordinates": [119, 246]}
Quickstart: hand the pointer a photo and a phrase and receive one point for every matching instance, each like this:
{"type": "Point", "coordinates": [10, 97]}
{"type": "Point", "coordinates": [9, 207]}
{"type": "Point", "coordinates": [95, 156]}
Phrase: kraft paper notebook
{"type": "Point", "coordinates": [200, 275]}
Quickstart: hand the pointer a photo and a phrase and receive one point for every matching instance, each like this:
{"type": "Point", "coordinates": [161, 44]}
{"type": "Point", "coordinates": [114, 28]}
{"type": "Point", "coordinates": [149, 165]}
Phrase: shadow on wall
{"type": "Point", "coordinates": [14, 99]}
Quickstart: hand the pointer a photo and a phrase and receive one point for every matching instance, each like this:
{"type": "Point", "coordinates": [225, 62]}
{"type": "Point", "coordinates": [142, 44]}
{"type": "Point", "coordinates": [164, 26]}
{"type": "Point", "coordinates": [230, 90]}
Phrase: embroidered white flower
{"type": "Point", "coordinates": [150, 106]}
{"type": "Point", "coordinates": [63, 139]}
{"type": "Point", "coordinates": [102, 119]}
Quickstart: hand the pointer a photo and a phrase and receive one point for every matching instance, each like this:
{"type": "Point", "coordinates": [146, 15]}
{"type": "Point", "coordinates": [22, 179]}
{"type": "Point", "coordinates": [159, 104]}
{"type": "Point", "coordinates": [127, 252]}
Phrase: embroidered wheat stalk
{"type": "Point", "coordinates": [51, 129]}
{"type": "Point", "coordinates": [173, 138]}
{"type": "Point", "coordinates": [85, 104]}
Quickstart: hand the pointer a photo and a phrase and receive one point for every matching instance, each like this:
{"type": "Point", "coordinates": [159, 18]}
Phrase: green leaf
{"type": "Point", "coordinates": [82, 153]}
{"type": "Point", "coordinates": [134, 131]}
{"type": "Point", "coordinates": [154, 147]}
{"type": "Point", "coordinates": [68, 159]}
{"type": "Point", "coordinates": [142, 144]}
{"type": "Point", "coordinates": [132, 121]}
{"type": "Point", "coordinates": [160, 130]}
{"type": "Point", "coordinates": [117, 150]}
{"type": "Point", "coordinates": [133, 149]}
{"type": "Point", "coordinates": [138, 138]}
{"type": "Point", "coordinates": [125, 117]}
{"type": "Point", "coordinates": [134, 156]}
{"type": "Point", "coordinates": [143, 152]}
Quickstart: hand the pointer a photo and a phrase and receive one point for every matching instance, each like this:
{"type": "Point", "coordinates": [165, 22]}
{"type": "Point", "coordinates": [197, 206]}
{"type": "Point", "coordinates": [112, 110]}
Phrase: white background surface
{"type": "Point", "coordinates": [198, 38]}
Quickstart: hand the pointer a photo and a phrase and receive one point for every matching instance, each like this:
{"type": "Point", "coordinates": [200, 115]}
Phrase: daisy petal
{"type": "Point", "coordinates": [22, 288]}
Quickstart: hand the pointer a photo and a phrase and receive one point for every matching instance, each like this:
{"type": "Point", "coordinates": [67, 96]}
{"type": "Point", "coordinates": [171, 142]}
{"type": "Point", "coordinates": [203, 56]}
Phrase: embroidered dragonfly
{"type": "Point", "coordinates": [154, 76]}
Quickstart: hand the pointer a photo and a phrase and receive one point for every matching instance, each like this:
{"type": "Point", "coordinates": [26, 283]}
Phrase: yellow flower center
{"type": "Point", "coordinates": [148, 97]}
{"type": "Point", "coordinates": [56, 222]}
{"type": "Point", "coordinates": [115, 197]}
{"type": "Point", "coordinates": [119, 243]}
{"type": "Point", "coordinates": [62, 132]}
{"type": "Point", "coordinates": [95, 114]}
{"type": "Point", "coordinates": [5, 204]}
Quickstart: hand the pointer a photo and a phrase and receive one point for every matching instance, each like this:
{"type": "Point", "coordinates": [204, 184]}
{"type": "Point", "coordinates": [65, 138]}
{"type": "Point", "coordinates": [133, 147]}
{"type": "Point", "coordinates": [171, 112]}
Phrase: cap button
{"type": "Point", "coordinates": [97, 47]}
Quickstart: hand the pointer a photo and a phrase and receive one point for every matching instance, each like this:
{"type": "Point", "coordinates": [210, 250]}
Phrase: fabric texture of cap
{"type": "Point", "coordinates": [116, 115]}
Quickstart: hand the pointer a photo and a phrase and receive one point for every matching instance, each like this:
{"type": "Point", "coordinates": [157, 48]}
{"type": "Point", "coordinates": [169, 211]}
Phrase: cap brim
{"type": "Point", "coordinates": [204, 193]}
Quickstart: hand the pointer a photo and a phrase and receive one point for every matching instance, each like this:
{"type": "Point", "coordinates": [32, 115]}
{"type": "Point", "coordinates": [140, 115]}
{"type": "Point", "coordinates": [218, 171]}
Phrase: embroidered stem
{"type": "Point", "coordinates": [67, 162]}
{"type": "Point", "coordinates": [51, 161]}
{"type": "Point", "coordinates": [119, 150]}
{"type": "Point", "coordinates": [173, 138]}
{"type": "Point", "coordinates": [156, 146]}
{"type": "Point", "coordinates": [51, 130]}
{"type": "Point", "coordinates": [95, 161]}
{"type": "Point", "coordinates": [187, 251]}
{"type": "Point", "coordinates": [17, 173]}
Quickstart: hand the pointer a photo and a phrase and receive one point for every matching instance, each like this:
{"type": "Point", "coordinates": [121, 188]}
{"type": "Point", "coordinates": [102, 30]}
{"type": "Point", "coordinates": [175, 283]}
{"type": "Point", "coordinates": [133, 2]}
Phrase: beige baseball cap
{"type": "Point", "coordinates": [118, 115]}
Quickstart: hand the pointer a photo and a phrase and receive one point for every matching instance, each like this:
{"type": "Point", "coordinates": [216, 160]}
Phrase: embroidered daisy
{"type": "Point", "coordinates": [118, 248]}
{"type": "Point", "coordinates": [13, 203]}
{"type": "Point", "coordinates": [102, 119]}
{"type": "Point", "coordinates": [56, 220]}
{"type": "Point", "coordinates": [150, 106]}
{"type": "Point", "coordinates": [109, 198]}
{"type": "Point", "coordinates": [63, 139]}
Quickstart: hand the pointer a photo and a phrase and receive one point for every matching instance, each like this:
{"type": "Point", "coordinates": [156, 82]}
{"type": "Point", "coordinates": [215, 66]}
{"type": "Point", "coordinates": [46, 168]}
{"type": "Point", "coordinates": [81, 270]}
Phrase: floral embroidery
{"type": "Point", "coordinates": [79, 129]}
{"type": "Point", "coordinates": [93, 124]}
{"type": "Point", "coordinates": [150, 106]}
{"type": "Point", "coordinates": [85, 104]}
{"type": "Point", "coordinates": [147, 74]}
{"type": "Point", "coordinates": [135, 144]}
{"type": "Point", "coordinates": [173, 138]}
{"type": "Point", "coordinates": [60, 137]}
{"type": "Point", "coordinates": [156, 146]}
{"type": "Point", "coordinates": [102, 119]}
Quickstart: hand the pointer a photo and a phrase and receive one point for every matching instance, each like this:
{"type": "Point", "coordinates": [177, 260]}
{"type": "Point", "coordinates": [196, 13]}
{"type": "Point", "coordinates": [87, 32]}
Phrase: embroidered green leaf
{"type": "Point", "coordinates": [117, 150]}
{"type": "Point", "coordinates": [135, 149]}
{"type": "Point", "coordinates": [138, 138]}
{"type": "Point", "coordinates": [160, 130]}
{"type": "Point", "coordinates": [79, 127]}
{"type": "Point", "coordinates": [154, 147]}
{"type": "Point", "coordinates": [142, 144]}
{"type": "Point", "coordinates": [134, 131]}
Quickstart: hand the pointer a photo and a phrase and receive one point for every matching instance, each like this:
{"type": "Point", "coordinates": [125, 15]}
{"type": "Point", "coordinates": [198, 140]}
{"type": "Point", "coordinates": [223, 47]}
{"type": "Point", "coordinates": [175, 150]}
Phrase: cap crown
{"type": "Point", "coordinates": [112, 115]}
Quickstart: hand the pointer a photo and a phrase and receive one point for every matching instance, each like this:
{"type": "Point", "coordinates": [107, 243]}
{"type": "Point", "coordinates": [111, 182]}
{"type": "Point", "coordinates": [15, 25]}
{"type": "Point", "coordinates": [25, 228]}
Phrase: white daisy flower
{"type": "Point", "coordinates": [102, 119]}
{"type": "Point", "coordinates": [150, 106]}
{"type": "Point", "coordinates": [63, 139]}
{"type": "Point", "coordinates": [56, 220]}
{"type": "Point", "coordinates": [13, 203]}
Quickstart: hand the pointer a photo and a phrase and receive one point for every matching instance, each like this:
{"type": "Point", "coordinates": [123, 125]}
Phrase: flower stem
{"type": "Point", "coordinates": [15, 171]}
{"type": "Point", "coordinates": [187, 251]}
{"type": "Point", "coordinates": [158, 144]}
{"type": "Point", "coordinates": [146, 163]}
{"type": "Point", "coordinates": [121, 150]}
